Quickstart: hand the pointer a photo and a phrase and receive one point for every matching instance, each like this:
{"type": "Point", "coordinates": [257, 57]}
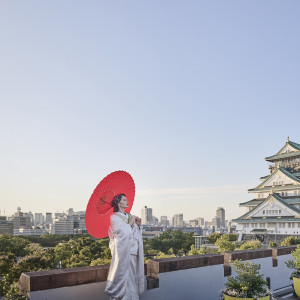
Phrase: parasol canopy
{"type": "Point", "coordinates": [99, 209]}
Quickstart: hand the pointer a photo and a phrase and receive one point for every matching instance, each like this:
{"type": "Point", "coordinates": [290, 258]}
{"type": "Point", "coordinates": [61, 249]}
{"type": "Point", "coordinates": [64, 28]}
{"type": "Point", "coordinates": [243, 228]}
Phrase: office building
{"type": "Point", "coordinates": [220, 213]}
{"type": "Point", "coordinates": [146, 215]}
{"type": "Point", "coordinates": [178, 220]}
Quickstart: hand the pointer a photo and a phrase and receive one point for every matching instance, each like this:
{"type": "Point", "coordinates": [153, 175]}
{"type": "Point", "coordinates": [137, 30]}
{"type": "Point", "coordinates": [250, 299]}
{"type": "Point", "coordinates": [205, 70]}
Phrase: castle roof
{"type": "Point", "coordinates": [281, 155]}
{"type": "Point", "coordinates": [264, 187]}
{"type": "Point", "coordinates": [250, 215]}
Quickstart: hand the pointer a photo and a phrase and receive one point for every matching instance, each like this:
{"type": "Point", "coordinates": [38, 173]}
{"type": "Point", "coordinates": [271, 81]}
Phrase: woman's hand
{"type": "Point", "coordinates": [132, 220]}
{"type": "Point", "coordinates": [138, 221]}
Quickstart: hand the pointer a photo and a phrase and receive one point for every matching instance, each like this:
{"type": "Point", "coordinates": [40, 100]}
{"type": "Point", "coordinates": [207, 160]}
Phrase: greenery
{"type": "Point", "coordinates": [248, 283]}
{"type": "Point", "coordinates": [20, 254]}
{"type": "Point", "coordinates": [251, 245]}
{"type": "Point", "coordinates": [172, 242]}
{"type": "Point", "coordinates": [295, 263]}
{"type": "Point", "coordinates": [213, 237]}
{"type": "Point", "coordinates": [225, 244]}
{"type": "Point", "coordinates": [272, 245]}
{"type": "Point", "coordinates": [290, 241]}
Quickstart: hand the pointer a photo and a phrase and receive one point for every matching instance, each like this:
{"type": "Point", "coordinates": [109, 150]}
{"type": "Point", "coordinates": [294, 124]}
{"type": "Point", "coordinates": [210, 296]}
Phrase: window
{"type": "Point", "coordinates": [282, 225]}
{"type": "Point", "coordinates": [252, 225]}
{"type": "Point", "coordinates": [262, 225]}
{"type": "Point", "coordinates": [258, 196]}
{"type": "Point", "coordinates": [263, 212]}
{"type": "Point", "coordinates": [289, 225]}
{"type": "Point", "coordinates": [280, 211]}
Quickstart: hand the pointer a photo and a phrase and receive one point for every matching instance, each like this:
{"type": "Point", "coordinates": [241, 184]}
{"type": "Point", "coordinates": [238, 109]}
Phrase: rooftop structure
{"type": "Point", "coordinates": [176, 278]}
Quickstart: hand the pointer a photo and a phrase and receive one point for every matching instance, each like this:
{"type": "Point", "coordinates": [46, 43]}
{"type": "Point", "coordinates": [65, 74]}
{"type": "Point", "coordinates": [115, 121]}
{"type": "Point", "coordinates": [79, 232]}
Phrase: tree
{"type": "Point", "coordinates": [13, 244]}
{"type": "Point", "coordinates": [176, 240]}
{"type": "Point", "coordinates": [272, 245]}
{"type": "Point", "coordinates": [100, 262]}
{"type": "Point", "coordinates": [290, 240]}
{"type": "Point", "coordinates": [6, 263]}
{"type": "Point", "coordinates": [251, 245]}
{"type": "Point", "coordinates": [232, 237]}
{"type": "Point", "coordinates": [213, 237]}
{"type": "Point", "coordinates": [194, 251]}
{"type": "Point", "coordinates": [225, 244]}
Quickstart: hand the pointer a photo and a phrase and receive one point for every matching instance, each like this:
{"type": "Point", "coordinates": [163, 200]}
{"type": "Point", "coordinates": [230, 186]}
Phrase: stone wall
{"type": "Point", "coordinates": [267, 238]}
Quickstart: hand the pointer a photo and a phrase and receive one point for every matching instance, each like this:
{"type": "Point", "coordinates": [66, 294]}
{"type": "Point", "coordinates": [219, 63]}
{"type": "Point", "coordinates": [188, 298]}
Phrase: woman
{"type": "Point", "coordinates": [125, 279]}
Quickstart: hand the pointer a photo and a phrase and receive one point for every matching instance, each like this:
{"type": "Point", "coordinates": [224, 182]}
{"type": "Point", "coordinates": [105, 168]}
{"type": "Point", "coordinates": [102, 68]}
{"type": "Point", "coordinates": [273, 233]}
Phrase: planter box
{"type": "Point", "coordinates": [296, 282]}
{"type": "Point", "coordinates": [226, 297]}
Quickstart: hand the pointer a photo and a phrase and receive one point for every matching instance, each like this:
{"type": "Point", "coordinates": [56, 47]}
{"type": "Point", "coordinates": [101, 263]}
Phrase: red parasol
{"type": "Point", "coordinates": [99, 209]}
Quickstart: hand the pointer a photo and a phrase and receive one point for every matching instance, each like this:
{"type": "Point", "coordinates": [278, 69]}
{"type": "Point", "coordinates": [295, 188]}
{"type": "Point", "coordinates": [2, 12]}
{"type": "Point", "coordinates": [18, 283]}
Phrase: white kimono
{"type": "Point", "coordinates": [126, 273]}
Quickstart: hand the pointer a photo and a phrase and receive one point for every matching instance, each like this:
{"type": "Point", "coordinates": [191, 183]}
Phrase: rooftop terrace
{"type": "Point", "coordinates": [176, 278]}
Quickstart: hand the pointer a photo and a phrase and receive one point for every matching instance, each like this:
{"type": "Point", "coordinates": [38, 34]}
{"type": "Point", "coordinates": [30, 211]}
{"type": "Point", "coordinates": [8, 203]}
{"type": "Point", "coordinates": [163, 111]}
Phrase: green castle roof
{"type": "Point", "coordinates": [285, 172]}
{"type": "Point", "coordinates": [255, 202]}
{"type": "Point", "coordinates": [284, 155]}
{"type": "Point", "coordinates": [278, 198]}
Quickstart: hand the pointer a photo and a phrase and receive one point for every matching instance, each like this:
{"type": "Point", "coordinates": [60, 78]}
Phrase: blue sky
{"type": "Point", "coordinates": [187, 96]}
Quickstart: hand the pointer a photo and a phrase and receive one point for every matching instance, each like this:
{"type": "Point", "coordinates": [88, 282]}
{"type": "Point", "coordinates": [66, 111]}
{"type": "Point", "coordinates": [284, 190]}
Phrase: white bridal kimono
{"type": "Point", "coordinates": [125, 279]}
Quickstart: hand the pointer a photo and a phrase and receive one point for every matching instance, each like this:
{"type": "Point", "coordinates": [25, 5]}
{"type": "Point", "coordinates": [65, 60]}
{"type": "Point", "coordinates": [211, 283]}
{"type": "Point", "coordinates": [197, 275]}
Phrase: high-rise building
{"type": "Point", "coordinates": [20, 220]}
{"type": "Point", "coordinates": [193, 223]}
{"type": "Point", "coordinates": [30, 215]}
{"type": "Point", "coordinates": [154, 221]}
{"type": "Point", "coordinates": [164, 221]}
{"type": "Point", "coordinates": [178, 220]}
{"type": "Point", "coordinates": [79, 222]}
{"type": "Point", "coordinates": [49, 219]}
{"type": "Point", "coordinates": [216, 222]}
{"type": "Point", "coordinates": [220, 213]}
{"type": "Point", "coordinates": [146, 215]}
{"type": "Point", "coordinates": [200, 221]}
{"type": "Point", "coordinates": [38, 219]}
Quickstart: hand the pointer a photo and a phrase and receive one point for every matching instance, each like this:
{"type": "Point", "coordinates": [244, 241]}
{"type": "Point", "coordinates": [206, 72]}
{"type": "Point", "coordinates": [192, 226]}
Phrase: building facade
{"type": "Point", "coordinates": [178, 220]}
{"type": "Point", "coordinates": [220, 213]}
{"type": "Point", "coordinates": [146, 215]}
{"type": "Point", "coordinates": [275, 207]}
{"type": "Point", "coordinates": [6, 227]}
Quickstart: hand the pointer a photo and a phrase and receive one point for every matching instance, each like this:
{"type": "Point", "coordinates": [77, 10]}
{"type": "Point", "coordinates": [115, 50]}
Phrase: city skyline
{"type": "Point", "coordinates": [187, 97]}
{"type": "Point", "coordinates": [64, 211]}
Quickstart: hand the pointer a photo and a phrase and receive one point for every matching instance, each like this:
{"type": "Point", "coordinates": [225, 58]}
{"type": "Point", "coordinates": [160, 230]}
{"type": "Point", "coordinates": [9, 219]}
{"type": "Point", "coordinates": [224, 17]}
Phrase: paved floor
{"type": "Point", "coordinates": [287, 297]}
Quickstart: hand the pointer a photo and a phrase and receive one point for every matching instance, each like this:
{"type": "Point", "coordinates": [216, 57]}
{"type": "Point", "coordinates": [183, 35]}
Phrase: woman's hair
{"type": "Point", "coordinates": [115, 201]}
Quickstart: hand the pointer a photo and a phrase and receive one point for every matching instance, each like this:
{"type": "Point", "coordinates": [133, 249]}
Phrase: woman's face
{"type": "Point", "coordinates": [123, 202]}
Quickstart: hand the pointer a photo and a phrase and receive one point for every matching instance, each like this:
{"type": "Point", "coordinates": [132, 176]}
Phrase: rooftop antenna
{"type": "Point", "coordinates": [288, 139]}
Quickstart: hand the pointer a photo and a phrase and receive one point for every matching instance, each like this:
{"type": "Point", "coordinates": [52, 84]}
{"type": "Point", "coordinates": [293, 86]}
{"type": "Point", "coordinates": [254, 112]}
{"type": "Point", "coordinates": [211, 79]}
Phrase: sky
{"type": "Point", "coordinates": [189, 97]}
